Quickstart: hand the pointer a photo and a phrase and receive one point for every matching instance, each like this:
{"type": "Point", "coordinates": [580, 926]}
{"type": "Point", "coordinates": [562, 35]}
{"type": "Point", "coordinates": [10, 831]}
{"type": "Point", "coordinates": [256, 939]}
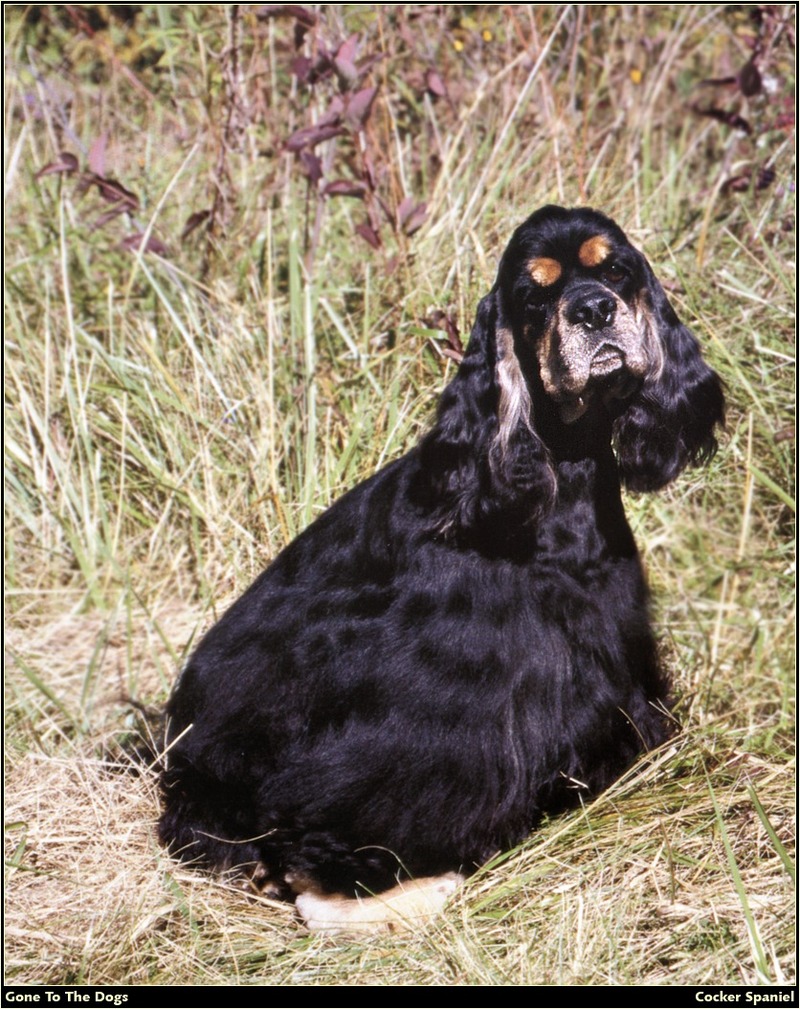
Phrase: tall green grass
{"type": "Point", "coordinates": [174, 417]}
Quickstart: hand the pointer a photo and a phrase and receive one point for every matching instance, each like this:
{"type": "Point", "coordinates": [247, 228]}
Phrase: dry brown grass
{"type": "Point", "coordinates": [636, 889]}
{"type": "Point", "coordinates": [170, 424]}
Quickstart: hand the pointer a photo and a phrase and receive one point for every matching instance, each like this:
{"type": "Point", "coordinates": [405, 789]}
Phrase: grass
{"type": "Point", "coordinates": [175, 416]}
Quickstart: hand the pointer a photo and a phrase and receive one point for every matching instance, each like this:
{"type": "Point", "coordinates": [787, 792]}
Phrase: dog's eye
{"type": "Point", "coordinates": [612, 272]}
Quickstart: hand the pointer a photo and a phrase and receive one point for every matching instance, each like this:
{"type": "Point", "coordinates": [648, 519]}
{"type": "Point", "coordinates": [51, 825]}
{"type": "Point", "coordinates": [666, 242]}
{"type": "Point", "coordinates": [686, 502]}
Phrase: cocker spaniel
{"type": "Point", "coordinates": [462, 643]}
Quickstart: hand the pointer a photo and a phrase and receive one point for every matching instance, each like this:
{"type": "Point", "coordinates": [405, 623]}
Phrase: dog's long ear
{"type": "Point", "coordinates": [483, 460]}
{"type": "Point", "coordinates": [670, 424]}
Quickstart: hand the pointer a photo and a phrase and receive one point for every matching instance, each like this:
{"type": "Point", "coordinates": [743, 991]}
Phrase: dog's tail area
{"type": "Point", "coordinates": [139, 747]}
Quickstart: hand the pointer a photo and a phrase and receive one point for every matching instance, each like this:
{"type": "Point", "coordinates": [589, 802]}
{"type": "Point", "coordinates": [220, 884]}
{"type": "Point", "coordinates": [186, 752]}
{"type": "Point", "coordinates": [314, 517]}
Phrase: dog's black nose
{"type": "Point", "coordinates": [592, 311]}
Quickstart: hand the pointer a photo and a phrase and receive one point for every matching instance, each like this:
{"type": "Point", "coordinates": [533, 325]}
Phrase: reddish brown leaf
{"type": "Point", "coordinates": [369, 173]}
{"type": "Point", "coordinates": [749, 79]}
{"type": "Point", "coordinates": [410, 214]}
{"type": "Point", "coordinates": [737, 183]}
{"type": "Point", "coordinates": [760, 178]}
{"type": "Point", "coordinates": [300, 32]}
{"type": "Point", "coordinates": [435, 84]}
{"type": "Point", "coordinates": [153, 244]}
{"type": "Point", "coordinates": [445, 321]}
{"type": "Point", "coordinates": [732, 119]}
{"type": "Point", "coordinates": [301, 68]}
{"type": "Point", "coordinates": [310, 136]}
{"type": "Point", "coordinates": [369, 235]}
{"type": "Point", "coordinates": [66, 163]}
{"type": "Point", "coordinates": [114, 192]}
{"type": "Point", "coordinates": [388, 213]}
{"type": "Point", "coordinates": [454, 355]}
{"type": "Point", "coordinates": [345, 187]}
{"type": "Point", "coordinates": [414, 221]}
{"type": "Point", "coordinates": [359, 107]}
{"type": "Point", "coordinates": [301, 14]}
{"type": "Point", "coordinates": [194, 221]}
{"type": "Point", "coordinates": [347, 74]}
{"type": "Point", "coordinates": [323, 66]}
{"type": "Point", "coordinates": [333, 113]}
{"type": "Point", "coordinates": [103, 219]}
{"type": "Point", "coordinates": [344, 63]}
{"type": "Point", "coordinates": [304, 19]}
{"type": "Point", "coordinates": [765, 178]}
{"type": "Point", "coordinates": [405, 209]}
{"type": "Point", "coordinates": [718, 82]}
{"type": "Point", "coordinates": [348, 49]}
{"type": "Point", "coordinates": [311, 165]}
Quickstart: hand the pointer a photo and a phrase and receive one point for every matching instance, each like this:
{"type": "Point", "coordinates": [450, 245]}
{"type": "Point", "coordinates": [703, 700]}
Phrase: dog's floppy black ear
{"type": "Point", "coordinates": [483, 460]}
{"type": "Point", "coordinates": [670, 424]}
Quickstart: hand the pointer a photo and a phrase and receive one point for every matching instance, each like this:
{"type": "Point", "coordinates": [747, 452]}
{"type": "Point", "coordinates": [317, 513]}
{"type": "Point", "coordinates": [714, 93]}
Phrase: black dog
{"type": "Point", "coordinates": [461, 644]}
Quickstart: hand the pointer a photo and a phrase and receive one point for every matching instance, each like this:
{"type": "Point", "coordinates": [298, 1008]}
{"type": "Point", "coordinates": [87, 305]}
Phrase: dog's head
{"type": "Point", "coordinates": [578, 297]}
{"type": "Point", "coordinates": [576, 333]}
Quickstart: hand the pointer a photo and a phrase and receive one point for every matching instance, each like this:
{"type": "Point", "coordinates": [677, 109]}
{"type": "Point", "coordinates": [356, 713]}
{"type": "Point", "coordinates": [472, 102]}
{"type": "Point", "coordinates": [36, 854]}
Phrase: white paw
{"type": "Point", "coordinates": [317, 913]}
{"type": "Point", "coordinates": [408, 904]}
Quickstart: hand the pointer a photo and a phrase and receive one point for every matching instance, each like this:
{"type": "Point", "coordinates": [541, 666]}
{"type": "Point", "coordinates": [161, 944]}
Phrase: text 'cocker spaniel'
{"type": "Point", "coordinates": [462, 643]}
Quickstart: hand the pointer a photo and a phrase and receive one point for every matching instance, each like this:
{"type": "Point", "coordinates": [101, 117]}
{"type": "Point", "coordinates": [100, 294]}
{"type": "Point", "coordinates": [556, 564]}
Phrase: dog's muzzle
{"type": "Point", "coordinates": [596, 346]}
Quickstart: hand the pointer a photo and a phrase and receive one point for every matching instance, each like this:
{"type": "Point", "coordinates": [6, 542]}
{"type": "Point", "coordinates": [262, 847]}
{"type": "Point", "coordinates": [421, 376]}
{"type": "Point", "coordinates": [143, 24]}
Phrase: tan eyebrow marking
{"type": "Point", "coordinates": [594, 250]}
{"type": "Point", "coordinates": [544, 271]}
